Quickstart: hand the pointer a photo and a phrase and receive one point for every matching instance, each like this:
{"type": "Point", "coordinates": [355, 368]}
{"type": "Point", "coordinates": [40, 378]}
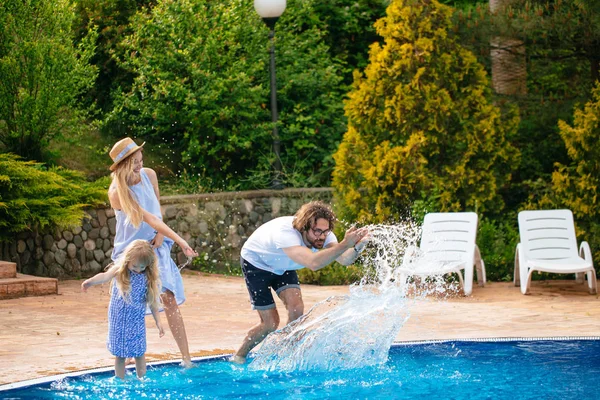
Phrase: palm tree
{"type": "Point", "coordinates": [509, 70]}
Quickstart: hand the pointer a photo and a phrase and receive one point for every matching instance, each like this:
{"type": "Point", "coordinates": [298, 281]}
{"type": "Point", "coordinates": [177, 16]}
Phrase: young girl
{"type": "Point", "coordinates": [136, 284]}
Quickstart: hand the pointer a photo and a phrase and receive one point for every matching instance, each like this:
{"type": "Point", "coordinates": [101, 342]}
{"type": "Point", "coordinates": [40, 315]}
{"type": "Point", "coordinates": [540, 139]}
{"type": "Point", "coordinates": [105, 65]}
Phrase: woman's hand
{"type": "Point", "coordinates": [161, 330]}
{"type": "Point", "coordinates": [188, 251]}
{"type": "Point", "coordinates": [157, 241]}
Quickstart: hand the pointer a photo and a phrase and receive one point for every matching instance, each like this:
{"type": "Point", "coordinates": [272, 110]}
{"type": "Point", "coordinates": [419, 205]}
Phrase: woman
{"type": "Point", "coordinates": [134, 196]}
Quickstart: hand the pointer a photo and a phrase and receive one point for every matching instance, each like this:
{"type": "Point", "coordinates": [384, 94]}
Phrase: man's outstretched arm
{"type": "Point", "coordinates": [315, 261]}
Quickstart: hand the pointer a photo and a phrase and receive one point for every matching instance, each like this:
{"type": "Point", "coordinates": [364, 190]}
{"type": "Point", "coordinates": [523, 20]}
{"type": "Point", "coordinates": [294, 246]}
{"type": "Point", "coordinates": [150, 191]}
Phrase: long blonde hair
{"type": "Point", "coordinates": [138, 251]}
{"type": "Point", "coordinates": [122, 175]}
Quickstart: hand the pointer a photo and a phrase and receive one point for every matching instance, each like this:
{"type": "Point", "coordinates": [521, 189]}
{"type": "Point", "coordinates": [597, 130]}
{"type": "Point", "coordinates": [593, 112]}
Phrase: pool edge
{"type": "Point", "coordinates": [495, 339]}
{"type": "Point", "coordinates": [51, 378]}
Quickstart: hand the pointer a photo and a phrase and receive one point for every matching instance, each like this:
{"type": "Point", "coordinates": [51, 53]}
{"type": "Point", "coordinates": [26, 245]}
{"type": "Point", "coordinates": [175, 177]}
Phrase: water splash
{"type": "Point", "coordinates": [339, 332]}
{"type": "Point", "coordinates": [187, 262]}
{"type": "Point", "coordinates": [358, 329]}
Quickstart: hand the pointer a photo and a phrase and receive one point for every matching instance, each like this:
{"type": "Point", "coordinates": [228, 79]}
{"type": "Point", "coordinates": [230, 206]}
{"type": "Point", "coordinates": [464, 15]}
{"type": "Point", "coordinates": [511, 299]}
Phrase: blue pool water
{"type": "Point", "coordinates": [541, 369]}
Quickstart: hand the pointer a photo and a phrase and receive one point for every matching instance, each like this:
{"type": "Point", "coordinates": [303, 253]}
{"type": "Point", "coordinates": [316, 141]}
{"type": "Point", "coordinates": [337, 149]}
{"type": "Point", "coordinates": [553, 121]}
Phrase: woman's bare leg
{"type": "Point", "coordinates": [176, 326]}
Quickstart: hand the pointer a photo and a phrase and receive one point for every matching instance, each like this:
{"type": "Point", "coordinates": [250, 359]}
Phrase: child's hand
{"type": "Point", "coordinates": [85, 285]}
{"type": "Point", "coordinates": [161, 330]}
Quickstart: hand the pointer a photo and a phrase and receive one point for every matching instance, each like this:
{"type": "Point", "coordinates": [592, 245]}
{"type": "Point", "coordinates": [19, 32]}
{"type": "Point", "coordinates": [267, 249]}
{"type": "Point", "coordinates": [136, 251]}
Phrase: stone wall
{"type": "Point", "coordinates": [216, 225]}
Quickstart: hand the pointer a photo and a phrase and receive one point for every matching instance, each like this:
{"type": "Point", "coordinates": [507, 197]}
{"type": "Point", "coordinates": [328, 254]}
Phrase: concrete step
{"type": "Point", "coordinates": [8, 270]}
{"type": "Point", "coordinates": [27, 285]}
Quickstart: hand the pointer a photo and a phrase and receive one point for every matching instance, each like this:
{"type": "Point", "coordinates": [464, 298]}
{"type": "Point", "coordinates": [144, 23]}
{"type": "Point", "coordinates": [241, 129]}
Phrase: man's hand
{"type": "Point", "coordinates": [355, 235]}
{"type": "Point", "coordinates": [360, 246]}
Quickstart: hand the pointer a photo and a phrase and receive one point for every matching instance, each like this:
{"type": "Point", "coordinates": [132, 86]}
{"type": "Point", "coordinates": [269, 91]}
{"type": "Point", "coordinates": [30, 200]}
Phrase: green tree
{"type": "Point", "coordinates": [202, 87]}
{"type": "Point", "coordinates": [562, 41]}
{"type": "Point", "coordinates": [575, 185]}
{"type": "Point", "coordinates": [420, 125]}
{"type": "Point", "coordinates": [35, 198]}
{"type": "Point", "coordinates": [41, 73]}
{"type": "Point", "coordinates": [350, 30]}
{"type": "Point", "coordinates": [111, 19]}
{"type": "Point", "coordinates": [560, 28]}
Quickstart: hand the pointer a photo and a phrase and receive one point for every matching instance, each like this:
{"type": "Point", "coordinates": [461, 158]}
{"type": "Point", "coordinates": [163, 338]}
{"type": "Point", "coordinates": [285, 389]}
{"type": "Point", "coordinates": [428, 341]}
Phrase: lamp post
{"type": "Point", "coordinates": [270, 11]}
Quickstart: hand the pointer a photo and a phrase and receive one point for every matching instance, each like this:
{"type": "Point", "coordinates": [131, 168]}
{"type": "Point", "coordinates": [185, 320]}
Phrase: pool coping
{"type": "Point", "coordinates": [496, 339]}
{"type": "Point", "coordinates": [52, 378]}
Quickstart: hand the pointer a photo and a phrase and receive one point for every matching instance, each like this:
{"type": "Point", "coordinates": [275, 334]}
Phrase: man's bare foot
{"type": "Point", "coordinates": [238, 359]}
{"type": "Point", "coordinates": [187, 364]}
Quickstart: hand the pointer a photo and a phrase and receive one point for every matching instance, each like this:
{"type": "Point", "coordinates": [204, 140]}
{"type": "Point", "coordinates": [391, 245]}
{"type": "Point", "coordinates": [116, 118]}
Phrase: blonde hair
{"type": "Point", "coordinates": [309, 213]}
{"type": "Point", "coordinates": [121, 175]}
{"type": "Point", "coordinates": [138, 251]}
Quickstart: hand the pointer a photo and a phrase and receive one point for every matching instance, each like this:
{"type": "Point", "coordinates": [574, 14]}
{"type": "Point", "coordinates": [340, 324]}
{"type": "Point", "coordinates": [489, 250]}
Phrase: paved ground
{"type": "Point", "coordinates": [42, 336]}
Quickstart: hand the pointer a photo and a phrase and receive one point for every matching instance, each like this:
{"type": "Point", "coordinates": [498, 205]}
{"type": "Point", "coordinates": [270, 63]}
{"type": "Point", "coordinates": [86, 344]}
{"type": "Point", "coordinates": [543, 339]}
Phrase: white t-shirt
{"type": "Point", "coordinates": [264, 248]}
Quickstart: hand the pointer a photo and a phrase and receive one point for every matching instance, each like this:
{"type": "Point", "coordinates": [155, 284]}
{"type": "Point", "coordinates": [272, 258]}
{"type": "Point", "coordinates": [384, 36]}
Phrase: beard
{"type": "Point", "coordinates": [317, 243]}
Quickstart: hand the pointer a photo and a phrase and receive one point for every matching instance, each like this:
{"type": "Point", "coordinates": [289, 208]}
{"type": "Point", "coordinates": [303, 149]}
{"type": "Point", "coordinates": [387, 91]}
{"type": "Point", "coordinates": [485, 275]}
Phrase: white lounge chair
{"type": "Point", "coordinates": [448, 246]}
{"type": "Point", "coordinates": [548, 244]}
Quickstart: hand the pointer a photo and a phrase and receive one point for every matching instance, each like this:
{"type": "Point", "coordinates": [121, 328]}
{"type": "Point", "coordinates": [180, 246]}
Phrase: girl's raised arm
{"type": "Point", "coordinates": [98, 279]}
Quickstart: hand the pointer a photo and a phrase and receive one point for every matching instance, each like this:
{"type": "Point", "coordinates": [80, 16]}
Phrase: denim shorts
{"type": "Point", "coordinates": [260, 282]}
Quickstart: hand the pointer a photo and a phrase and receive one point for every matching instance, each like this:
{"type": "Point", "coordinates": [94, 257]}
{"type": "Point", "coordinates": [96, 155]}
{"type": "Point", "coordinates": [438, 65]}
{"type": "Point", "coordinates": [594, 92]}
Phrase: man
{"type": "Point", "coordinates": [273, 253]}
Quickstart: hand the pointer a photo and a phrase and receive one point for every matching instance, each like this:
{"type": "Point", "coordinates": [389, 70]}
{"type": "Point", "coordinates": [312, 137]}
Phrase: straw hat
{"type": "Point", "coordinates": [123, 149]}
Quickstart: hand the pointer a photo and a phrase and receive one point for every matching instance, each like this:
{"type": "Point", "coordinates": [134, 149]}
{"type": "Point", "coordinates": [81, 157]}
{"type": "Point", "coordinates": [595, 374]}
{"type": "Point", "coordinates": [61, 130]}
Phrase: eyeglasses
{"type": "Point", "coordinates": [319, 232]}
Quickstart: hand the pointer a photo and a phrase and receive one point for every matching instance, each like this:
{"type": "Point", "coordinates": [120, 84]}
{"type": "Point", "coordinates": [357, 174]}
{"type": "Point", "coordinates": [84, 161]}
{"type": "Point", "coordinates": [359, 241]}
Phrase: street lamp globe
{"type": "Point", "coordinates": [269, 8]}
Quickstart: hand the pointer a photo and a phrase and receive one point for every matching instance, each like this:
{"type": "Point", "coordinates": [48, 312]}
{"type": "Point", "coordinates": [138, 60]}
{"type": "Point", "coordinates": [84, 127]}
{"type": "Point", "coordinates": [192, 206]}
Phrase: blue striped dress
{"type": "Point", "coordinates": [126, 319]}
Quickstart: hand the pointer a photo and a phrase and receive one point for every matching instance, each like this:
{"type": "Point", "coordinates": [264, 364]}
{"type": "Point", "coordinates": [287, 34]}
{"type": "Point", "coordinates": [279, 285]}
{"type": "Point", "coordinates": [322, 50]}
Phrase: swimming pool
{"type": "Point", "coordinates": [557, 368]}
